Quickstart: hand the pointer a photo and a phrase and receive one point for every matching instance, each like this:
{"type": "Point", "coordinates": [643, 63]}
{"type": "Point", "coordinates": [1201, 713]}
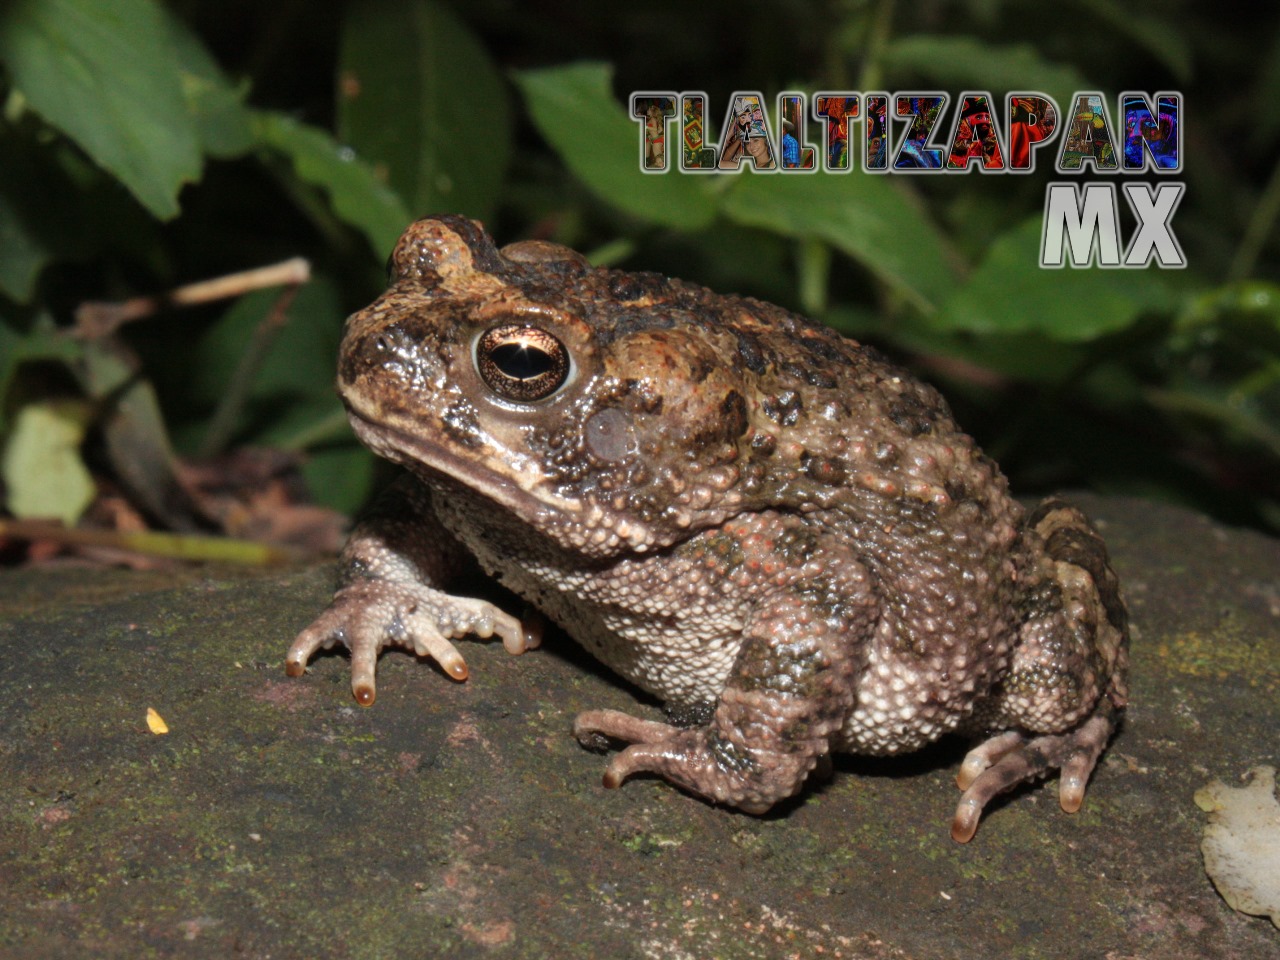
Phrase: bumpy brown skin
{"type": "Point", "coordinates": [730, 506]}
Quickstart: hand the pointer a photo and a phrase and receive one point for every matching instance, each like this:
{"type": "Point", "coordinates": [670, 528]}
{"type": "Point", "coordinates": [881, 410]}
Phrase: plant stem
{"type": "Point", "coordinates": [325, 430]}
{"type": "Point", "coordinates": [1224, 414]}
{"type": "Point", "coordinates": [223, 424]}
{"type": "Point", "coordinates": [157, 544]}
{"type": "Point", "coordinates": [877, 40]}
{"type": "Point", "coordinates": [814, 268]}
{"type": "Point", "coordinates": [1260, 225]}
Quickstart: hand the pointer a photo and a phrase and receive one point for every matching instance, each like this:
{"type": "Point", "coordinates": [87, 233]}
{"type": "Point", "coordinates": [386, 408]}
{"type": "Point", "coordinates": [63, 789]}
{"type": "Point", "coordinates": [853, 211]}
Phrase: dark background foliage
{"type": "Point", "coordinates": [144, 146]}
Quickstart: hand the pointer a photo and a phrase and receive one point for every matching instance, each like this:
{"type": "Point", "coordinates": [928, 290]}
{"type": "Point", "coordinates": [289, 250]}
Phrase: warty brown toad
{"type": "Point", "coordinates": [765, 525]}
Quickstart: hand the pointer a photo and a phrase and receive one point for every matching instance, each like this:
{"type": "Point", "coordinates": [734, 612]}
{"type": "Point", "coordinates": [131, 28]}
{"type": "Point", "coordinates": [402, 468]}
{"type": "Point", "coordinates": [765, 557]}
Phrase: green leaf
{"type": "Point", "coordinates": [1241, 300]}
{"type": "Point", "coordinates": [43, 473]}
{"type": "Point", "coordinates": [357, 195]}
{"type": "Point", "coordinates": [961, 63]}
{"type": "Point", "coordinates": [1010, 292]}
{"type": "Point", "coordinates": [107, 75]}
{"type": "Point", "coordinates": [421, 100]}
{"type": "Point", "coordinates": [1029, 357]}
{"type": "Point", "coordinates": [340, 478]}
{"type": "Point", "coordinates": [221, 118]}
{"type": "Point", "coordinates": [865, 216]}
{"type": "Point", "coordinates": [574, 109]}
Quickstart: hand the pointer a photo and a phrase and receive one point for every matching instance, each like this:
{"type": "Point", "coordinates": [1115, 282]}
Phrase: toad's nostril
{"type": "Point", "coordinates": [391, 344]}
{"type": "Point", "coordinates": [385, 351]}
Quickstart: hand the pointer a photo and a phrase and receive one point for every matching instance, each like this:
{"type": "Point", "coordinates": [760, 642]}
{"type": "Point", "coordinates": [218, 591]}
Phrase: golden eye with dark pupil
{"type": "Point", "coordinates": [522, 363]}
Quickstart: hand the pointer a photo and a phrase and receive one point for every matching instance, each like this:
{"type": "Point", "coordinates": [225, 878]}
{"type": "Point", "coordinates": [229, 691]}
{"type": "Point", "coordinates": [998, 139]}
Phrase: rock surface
{"type": "Point", "coordinates": [277, 819]}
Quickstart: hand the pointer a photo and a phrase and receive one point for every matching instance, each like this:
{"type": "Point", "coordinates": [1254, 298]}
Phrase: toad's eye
{"type": "Point", "coordinates": [521, 362]}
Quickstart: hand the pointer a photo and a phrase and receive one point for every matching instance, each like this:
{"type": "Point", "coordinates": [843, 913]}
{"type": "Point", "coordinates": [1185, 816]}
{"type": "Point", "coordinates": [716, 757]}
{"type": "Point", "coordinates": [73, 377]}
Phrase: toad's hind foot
{"type": "Point", "coordinates": [703, 761]}
{"type": "Point", "coordinates": [790, 691]}
{"type": "Point", "coordinates": [1011, 758]}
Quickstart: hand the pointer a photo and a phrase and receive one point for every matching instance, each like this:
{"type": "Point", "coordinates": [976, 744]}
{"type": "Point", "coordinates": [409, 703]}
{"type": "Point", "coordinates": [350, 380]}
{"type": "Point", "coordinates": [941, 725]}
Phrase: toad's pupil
{"type": "Point", "coordinates": [520, 361]}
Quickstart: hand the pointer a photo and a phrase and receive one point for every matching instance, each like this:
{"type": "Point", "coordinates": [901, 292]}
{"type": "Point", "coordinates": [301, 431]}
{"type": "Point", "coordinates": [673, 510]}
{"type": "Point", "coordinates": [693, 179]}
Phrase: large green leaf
{"type": "Point", "coordinates": [107, 75]}
{"type": "Point", "coordinates": [865, 216]}
{"type": "Point", "coordinates": [966, 63]}
{"type": "Point", "coordinates": [217, 105]}
{"type": "Point", "coordinates": [574, 109]}
{"type": "Point", "coordinates": [340, 477]}
{"type": "Point", "coordinates": [1010, 292]}
{"type": "Point", "coordinates": [420, 98]}
{"type": "Point", "coordinates": [358, 196]}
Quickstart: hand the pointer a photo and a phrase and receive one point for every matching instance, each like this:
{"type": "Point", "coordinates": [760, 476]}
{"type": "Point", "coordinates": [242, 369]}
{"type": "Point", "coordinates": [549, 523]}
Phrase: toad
{"type": "Point", "coordinates": [772, 529]}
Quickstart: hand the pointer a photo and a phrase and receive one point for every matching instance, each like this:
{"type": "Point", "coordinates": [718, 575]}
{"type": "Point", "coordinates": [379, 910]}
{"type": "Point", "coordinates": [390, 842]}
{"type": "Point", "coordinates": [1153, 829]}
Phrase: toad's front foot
{"type": "Point", "coordinates": [1011, 758]}
{"type": "Point", "coordinates": [367, 615]}
{"type": "Point", "coordinates": [712, 762]}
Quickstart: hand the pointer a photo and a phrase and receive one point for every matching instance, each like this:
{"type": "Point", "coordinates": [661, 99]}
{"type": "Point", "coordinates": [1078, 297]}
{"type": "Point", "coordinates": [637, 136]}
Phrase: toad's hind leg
{"type": "Point", "coordinates": [1062, 698]}
{"type": "Point", "coordinates": [791, 689]}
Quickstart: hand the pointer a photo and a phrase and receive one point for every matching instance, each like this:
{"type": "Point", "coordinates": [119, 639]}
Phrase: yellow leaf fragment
{"type": "Point", "coordinates": [155, 722]}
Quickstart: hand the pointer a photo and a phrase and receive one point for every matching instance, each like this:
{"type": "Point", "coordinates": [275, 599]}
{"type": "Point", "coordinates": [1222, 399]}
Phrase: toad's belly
{"type": "Point", "coordinates": [677, 646]}
{"type": "Point", "coordinates": [662, 622]}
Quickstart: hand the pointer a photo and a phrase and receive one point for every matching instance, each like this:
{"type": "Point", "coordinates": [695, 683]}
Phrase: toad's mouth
{"type": "Point", "coordinates": [435, 462]}
{"type": "Point", "coordinates": [585, 525]}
